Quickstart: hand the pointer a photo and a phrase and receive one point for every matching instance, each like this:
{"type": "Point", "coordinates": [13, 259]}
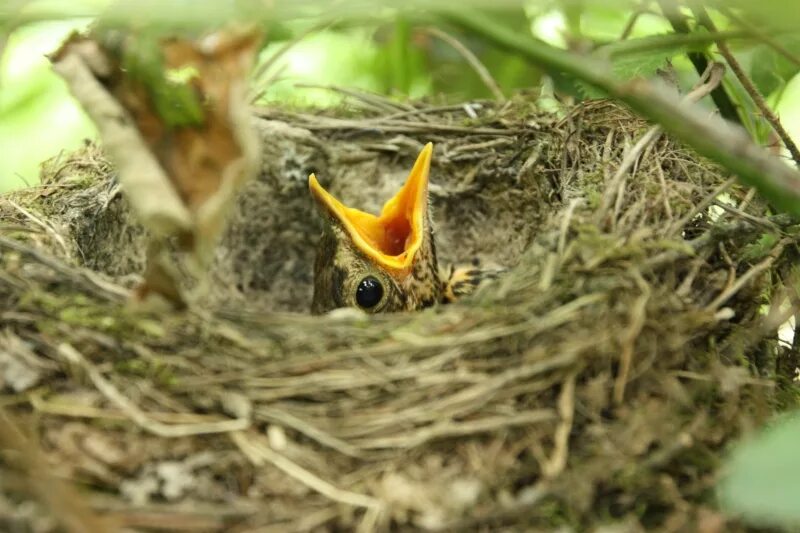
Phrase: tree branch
{"type": "Point", "coordinates": [710, 136]}
{"type": "Point", "coordinates": [678, 22]}
{"type": "Point", "coordinates": [749, 87]}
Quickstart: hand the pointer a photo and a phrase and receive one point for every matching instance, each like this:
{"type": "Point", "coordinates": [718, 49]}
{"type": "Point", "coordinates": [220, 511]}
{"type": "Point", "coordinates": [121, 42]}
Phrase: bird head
{"type": "Point", "coordinates": [378, 263]}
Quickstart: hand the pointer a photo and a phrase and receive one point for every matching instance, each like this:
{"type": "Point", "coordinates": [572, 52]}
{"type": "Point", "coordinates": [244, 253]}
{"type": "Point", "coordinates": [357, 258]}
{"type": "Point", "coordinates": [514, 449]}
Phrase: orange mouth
{"type": "Point", "coordinates": [392, 238]}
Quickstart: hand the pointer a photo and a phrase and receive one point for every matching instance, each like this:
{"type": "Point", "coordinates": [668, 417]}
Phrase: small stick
{"type": "Point", "coordinates": [85, 278]}
{"type": "Point", "coordinates": [135, 414]}
{"type": "Point", "coordinates": [372, 101]}
{"type": "Point", "coordinates": [314, 122]}
{"type": "Point", "coordinates": [284, 417]}
{"type": "Point", "coordinates": [279, 53]}
{"type": "Point", "coordinates": [473, 61]}
{"type": "Point", "coordinates": [258, 453]}
{"type": "Point", "coordinates": [629, 25]}
{"type": "Point", "coordinates": [700, 206]}
{"type": "Point", "coordinates": [39, 222]}
{"type": "Point", "coordinates": [728, 293]}
{"type": "Point", "coordinates": [566, 410]}
{"type": "Point", "coordinates": [448, 428]}
{"type": "Point", "coordinates": [637, 316]}
{"type": "Point", "coordinates": [676, 18]}
{"type": "Point", "coordinates": [752, 91]}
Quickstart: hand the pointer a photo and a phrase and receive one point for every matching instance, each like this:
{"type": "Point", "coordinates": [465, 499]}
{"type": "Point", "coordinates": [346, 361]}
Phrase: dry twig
{"type": "Point", "coordinates": [472, 59]}
{"type": "Point", "coordinates": [139, 417]}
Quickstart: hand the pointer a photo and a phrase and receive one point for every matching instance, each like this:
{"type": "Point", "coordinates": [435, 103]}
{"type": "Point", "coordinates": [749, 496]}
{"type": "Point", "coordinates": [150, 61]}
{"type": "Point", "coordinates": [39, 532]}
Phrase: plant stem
{"type": "Point", "coordinates": [751, 90]}
{"type": "Point", "coordinates": [760, 35]}
{"type": "Point", "coordinates": [678, 21]}
{"type": "Point", "coordinates": [670, 41]}
{"type": "Point", "coordinates": [473, 61]}
{"type": "Point", "coordinates": [710, 136]}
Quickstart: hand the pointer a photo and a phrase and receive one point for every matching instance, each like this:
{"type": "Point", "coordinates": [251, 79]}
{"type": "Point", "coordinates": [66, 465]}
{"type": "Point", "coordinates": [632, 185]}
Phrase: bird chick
{"type": "Point", "coordinates": [386, 262]}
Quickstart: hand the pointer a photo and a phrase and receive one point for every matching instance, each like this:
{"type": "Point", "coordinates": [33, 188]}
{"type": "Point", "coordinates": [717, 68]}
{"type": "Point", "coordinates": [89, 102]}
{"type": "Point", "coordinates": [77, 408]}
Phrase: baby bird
{"type": "Point", "coordinates": [387, 262]}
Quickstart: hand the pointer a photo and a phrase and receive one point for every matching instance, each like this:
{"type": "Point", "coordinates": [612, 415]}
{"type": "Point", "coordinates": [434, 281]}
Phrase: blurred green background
{"type": "Point", "coordinates": [391, 55]}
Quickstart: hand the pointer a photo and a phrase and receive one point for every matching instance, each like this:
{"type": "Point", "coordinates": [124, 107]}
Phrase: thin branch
{"type": "Point", "coordinates": [728, 293]}
{"type": "Point", "coordinates": [46, 226]}
{"type": "Point", "coordinates": [630, 24]}
{"type": "Point", "coordinates": [638, 316]}
{"type": "Point", "coordinates": [710, 136]}
{"type": "Point", "coordinates": [83, 278]}
{"type": "Point", "coordinates": [258, 454]}
{"type": "Point", "coordinates": [699, 207]}
{"type": "Point", "coordinates": [758, 34]}
{"type": "Point", "coordinates": [740, 229]}
{"type": "Point", "coordinates": [448, 428]}
{"type": "Point", "coordinates": [557, 462]}
{"type": "Point", "coordinates": [318, 122]}
{"type": "Point", "coordinates": [654, 43]}
{"type": "Point", "coordinates": [264, 67]}
{"type": "Point", "coordinates": [282, 417]}
{"type": "Point", "coordinates": [473, 61]}
{"type": "Point", "coordinates": [135, 414]}
{"type": "Point", "coordinates": [721, 99]}
{"type": "Point", "coordinates": [751, 89]}
{"type": "Point", "coordinates": [374, 102]}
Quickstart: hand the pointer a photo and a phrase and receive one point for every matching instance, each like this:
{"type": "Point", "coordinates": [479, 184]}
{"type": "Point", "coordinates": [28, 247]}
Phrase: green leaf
{"type": "Point", "coordinates": [763, 481]}
{"type": "Point", "coordinates": [771, 70]}
{"type": "Point", "coordinates": [642, 58]}
{"type": "Point", "coordinates": [761, 248]}
{"type": "Point", "coordinates": [767, 13]}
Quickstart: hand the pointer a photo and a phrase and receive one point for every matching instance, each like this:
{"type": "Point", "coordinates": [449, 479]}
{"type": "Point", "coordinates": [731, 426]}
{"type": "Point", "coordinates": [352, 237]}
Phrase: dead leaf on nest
{"type": "Point", "coordinates": [173, 116]}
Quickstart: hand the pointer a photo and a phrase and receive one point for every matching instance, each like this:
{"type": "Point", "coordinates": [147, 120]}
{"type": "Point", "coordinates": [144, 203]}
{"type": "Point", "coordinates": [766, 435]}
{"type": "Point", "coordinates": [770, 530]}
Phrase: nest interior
{"type": "Point", "coordinates": [599, 382]}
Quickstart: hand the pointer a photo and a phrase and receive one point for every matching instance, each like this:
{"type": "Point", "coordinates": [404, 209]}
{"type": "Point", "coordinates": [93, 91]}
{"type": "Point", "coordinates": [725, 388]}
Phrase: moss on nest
{"type": "Point", "coordinates": [599, 382]}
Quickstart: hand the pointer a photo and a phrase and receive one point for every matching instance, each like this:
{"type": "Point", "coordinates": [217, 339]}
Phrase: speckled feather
{"type": "Point", "coordinates": [340, 266]}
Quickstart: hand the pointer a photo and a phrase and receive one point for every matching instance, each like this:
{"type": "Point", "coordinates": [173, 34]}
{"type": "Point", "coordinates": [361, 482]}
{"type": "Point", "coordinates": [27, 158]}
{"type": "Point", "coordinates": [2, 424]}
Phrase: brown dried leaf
{"type": "Point", "coordinates": [83, 64]}
{"type": "Point", "coordinates": [179, 175]}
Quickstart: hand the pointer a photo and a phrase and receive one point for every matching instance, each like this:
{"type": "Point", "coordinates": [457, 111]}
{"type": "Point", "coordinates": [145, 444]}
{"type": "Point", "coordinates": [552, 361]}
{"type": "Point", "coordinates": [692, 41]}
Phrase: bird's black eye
{"type": "Point", "coordinates": [369, 292]}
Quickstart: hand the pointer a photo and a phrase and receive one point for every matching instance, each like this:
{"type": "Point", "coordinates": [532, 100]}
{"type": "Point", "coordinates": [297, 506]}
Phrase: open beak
{"type": "Point", "coordinates": [392, 238]}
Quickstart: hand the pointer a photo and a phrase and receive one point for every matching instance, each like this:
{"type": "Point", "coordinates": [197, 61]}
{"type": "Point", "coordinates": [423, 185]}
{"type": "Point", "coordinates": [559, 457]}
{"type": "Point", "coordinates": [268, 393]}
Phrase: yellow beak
{"type": "Point", "coordinates": [392, 238]}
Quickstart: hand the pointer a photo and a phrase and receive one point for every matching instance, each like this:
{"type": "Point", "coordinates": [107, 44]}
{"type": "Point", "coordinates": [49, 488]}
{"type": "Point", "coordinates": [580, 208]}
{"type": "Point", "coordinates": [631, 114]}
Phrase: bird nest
{"type": "Point", "coordinates": [598, 382]}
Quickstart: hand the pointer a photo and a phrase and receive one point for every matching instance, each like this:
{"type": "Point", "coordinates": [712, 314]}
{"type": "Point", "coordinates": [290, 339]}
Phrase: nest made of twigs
{"type": "Point", "coordinates": [598, 382]}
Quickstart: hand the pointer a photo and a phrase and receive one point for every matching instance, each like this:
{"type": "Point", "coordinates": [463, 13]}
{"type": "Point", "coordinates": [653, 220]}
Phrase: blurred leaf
{"type": "Point", "coordinates": [642, 58]}
{"type": "Point", "coordinates": [763, 483]}
{"type": "Point", "coordinates": [406, 62]}
{"type": "Point", "coordinates": [771, 70]}
{"type": "Point", "coordinates": [767, 14]}
{"type": "Point", "coordinates": [667, 43]}
{"type": "Point", "coordinates": [573, 12]}
{"type": "Point", "coordinates": [400, 62]}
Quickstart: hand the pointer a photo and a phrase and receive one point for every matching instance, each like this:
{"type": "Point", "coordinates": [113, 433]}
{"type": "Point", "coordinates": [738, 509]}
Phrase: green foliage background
{"type": "Point", "coordinates": [385, 54]}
